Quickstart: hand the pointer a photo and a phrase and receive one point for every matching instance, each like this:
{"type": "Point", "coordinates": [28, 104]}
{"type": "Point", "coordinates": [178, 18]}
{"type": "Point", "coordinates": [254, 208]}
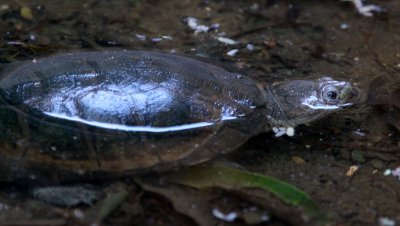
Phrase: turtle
{"type": "Point", "coordinates": [105, 114]}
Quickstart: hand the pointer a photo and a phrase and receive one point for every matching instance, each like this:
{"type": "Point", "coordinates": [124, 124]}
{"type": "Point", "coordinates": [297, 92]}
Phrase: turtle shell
{"type": "Point", "coordinates": [92, 113]}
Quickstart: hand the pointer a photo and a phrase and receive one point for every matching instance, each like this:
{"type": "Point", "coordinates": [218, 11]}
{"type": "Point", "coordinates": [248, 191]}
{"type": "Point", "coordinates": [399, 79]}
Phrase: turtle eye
{"type": "Point", "coordinates": [331, 93]}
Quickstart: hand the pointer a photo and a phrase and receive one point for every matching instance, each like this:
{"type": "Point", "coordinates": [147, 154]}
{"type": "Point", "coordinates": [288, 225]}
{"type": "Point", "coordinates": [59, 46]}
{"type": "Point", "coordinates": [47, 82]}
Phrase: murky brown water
{"type": "Point", "coordinates": [277, 41]}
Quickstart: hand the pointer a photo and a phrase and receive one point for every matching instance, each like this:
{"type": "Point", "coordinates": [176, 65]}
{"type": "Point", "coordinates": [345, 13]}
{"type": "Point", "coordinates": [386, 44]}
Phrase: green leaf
{"type": "Point", "coordinates": [204, 176]}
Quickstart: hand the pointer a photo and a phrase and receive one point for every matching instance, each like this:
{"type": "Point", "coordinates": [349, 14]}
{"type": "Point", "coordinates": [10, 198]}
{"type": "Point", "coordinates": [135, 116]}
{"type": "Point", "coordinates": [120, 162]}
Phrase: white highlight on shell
{"type": "Point", "coordinates": [132, 128]}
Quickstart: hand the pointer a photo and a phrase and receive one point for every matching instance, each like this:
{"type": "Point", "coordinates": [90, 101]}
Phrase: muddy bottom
{"type": "Point", "coordinates": [344, 162]}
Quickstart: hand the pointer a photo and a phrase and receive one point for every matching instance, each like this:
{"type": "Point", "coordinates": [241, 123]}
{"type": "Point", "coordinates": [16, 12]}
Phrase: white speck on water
{"type": "Point", "coordinates": [229, 217]}
{"type": "Point", "coordinates": [78, 214]}
{"type": "Point", "coordinates": [254, 7]}
{"type": "Point", "coordinates": [34, 61]}
{"type": "Point", "coordinates": [3, 206]}
{"type": "Point", "coordinates": [279, 131]}
{"type": "Point", "coordinates": [167, 37]}
{"type": "Point", "coordinates": [387, 172]}
{"type": "Point", "coordinates": [4, 7]}
{"type": "Point", "coordinates": [359, 133]}
{"type": "Point", "coordinates": [232, 52]}
{"type": "Point", "coordinates": [32, 37]}
{"type": "Point", "coordinates": [156, 39]}
{"type": "Point", "coordinates": [215, 26]}
{"type": "Point", "coordinates": [250, 47]}
{"type": "Point", "coordinates": [265, 217]}
{"type": "Point", "coordinates": [141, 37]}
{"type": "Point", "coordinates": [344, 26]}
{"type": "Point", "coordinates": [227, 41]}
{"type": "Point", "coordinates": [384, 221]}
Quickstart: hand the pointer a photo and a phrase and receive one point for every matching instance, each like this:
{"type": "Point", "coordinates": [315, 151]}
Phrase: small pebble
{"type": "Point", "coordinates": [377, 163]}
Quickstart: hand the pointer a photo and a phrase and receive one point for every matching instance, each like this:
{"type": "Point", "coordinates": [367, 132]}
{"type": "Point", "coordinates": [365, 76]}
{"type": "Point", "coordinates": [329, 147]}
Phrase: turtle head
{"type": "Point", "coordinates": [295, 102]}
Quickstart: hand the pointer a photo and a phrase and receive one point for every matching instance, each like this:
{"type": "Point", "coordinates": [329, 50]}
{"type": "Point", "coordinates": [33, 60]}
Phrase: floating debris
{"type": "Point", "coordinates": [193, 23]}
{"type": "Point", "coordinates": [156, 39]}
{"type": "Point", "coordinates": [229, 217]}
{"type": "Point", "coordinates": [26, 13]}
{"type": "Point", "coordinates": [167, 37]}
{"type": "Point", "coordinates": [153, 39]}
{"type": "Point", "coordinates": [365, 10]}
{"type": "Point", "coordinates": [344, 26]}
{"type": "Point", "coordinates": [4, 7]}
{"type": "Point", "coordinates": [298, 160]}
{"type": "Point", "coordinates": [384, 221]}
{"type": "Point", "coordinates": [395, 172]}
{"type": "Point", "coordinates": [3, 206]}
{"type": "Point", "coordinates": [250, 47]}
{"type": "Point", "coordinates": [290, 131]}
{"type": "Point", "coordinates": [141, 37]}
{"type": "Point", "coordinates": [280, 131]}
{"type": "Point", "coordinates": [227, 41]}
{"type": "Point", "coordinates": [232, 52]}
{"type": "Point", "coordinates": [350, 172]}
{"type": "Point", "coordinates": [387, 172]}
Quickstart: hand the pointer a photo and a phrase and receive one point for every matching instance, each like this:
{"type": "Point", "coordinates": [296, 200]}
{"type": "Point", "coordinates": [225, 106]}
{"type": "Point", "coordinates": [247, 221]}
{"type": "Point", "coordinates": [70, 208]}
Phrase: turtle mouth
{"type": "Point", "coordinates": [351, 96]}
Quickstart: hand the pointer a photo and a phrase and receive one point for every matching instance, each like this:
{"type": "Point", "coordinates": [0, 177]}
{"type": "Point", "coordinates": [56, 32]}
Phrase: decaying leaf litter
{"type": "Point", "coordinates": [280, 40]}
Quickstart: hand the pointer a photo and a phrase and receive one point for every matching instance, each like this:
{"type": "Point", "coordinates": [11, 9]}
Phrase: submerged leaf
{"type": "Point", "coordinates": [204, 176]}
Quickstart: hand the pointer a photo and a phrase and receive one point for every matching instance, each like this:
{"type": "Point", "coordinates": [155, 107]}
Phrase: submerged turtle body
{"type": "Point", "coordinates": [121, 112]}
